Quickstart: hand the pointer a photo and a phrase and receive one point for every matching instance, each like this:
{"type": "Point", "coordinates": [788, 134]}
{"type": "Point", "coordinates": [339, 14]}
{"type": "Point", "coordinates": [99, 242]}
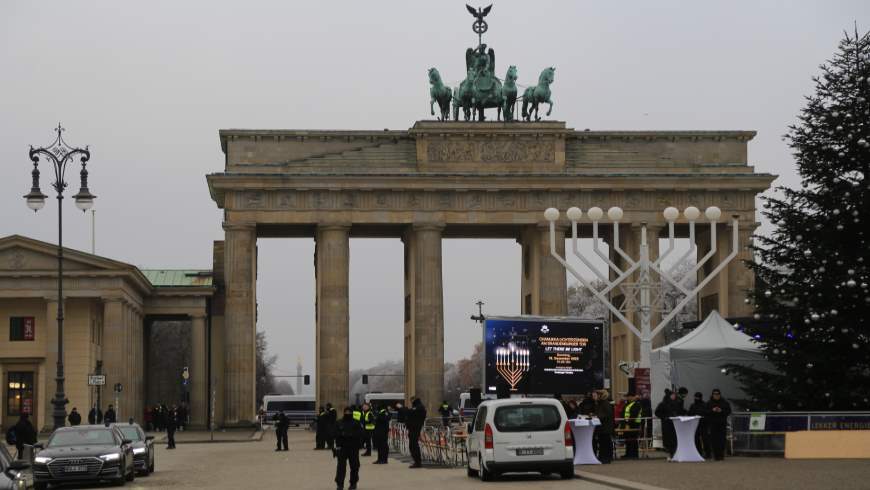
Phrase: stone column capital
{"type": "Point", "coordinates": [198, 316]}
{"type": "Point", "coordinates": [428, 226]}
{"type": "Point", "coordinates": [333, 226]}
{"type": "Point", "coordinates": [239, 226]}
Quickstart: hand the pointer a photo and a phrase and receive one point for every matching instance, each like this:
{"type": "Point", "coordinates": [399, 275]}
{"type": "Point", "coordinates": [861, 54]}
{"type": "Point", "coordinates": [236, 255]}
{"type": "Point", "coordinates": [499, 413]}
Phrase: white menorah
{"type": "Point", "coordinates": [650, 295]}
{"type": "Point", "coordinates": [512, 363]}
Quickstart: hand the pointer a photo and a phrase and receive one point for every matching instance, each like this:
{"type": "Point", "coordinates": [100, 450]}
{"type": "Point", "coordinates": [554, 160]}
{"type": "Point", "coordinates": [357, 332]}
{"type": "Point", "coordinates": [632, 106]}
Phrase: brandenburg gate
{"type": "Point", "coordinates": [441, 180]}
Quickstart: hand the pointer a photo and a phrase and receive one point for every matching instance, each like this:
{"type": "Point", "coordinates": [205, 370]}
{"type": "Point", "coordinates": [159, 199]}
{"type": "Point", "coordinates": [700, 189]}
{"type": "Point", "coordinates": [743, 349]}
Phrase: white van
{"type": "Point", "coordinates": [520, 435]}
{"type": "Point", "coordinates": [466, 408]}
{"type": "Point", "coordinates": [300, 409]}
{"type": "Point", "coordinates": [388, 399]}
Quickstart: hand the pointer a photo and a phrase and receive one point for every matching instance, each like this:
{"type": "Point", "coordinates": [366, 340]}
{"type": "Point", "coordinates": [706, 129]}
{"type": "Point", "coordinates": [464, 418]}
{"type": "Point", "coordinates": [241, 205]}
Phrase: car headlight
{"type": "Point", "coordinates": [42, 459]}
{"type": "Point", "coordinates": [138, 450]}
{"type": "Point", "coordinates": [110, 457]}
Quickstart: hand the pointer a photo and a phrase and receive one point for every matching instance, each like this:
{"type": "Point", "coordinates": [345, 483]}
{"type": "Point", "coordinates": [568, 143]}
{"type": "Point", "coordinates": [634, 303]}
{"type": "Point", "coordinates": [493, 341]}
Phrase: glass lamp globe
{"type": "Point", "coordinates": [615, 213]}
{"type": "Point", "coordinates": [574, 214]}
{"type": "Point", "coordinates": [671, 213]}
{"type": "Point", "coordinates": [595, 213]}
{"type": "Point", "coordinates": [551, 214]}
{"type": "Point", "coordinates": [713, 213]}
{"type": "Point", "coordinates": [692, 213]}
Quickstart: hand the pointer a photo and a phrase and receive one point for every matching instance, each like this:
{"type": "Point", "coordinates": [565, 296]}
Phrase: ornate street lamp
{"type": "Point", "coordinates": [59, 153]}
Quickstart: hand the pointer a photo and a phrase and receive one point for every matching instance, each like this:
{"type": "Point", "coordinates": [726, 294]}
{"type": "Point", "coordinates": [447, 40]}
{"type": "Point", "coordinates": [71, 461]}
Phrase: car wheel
{"type": "Point", "coordinates": [485, 475]}
{"type": "Point", "coordinates": [567, 473]}
{"type": "Point", "coordinates": [471, 473]}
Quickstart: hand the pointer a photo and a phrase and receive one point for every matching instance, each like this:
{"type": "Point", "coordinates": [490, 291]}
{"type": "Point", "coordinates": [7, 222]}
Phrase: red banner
{"type": "Point", "coordinates": [29, 327]}
{"type": "Point", "coordinates": [641, 381]}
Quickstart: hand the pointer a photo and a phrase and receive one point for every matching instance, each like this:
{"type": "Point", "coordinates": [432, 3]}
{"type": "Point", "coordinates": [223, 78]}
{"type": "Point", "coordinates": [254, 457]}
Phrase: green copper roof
{"type": "Point", "coordinates": [162, 278]}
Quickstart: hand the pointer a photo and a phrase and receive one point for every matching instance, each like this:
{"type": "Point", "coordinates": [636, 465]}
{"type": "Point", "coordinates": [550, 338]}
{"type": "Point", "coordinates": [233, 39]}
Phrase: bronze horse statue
{"type": "Point", "coordinates": [439, 93]}
{"type": "Point", "coordinates": [539, 94]}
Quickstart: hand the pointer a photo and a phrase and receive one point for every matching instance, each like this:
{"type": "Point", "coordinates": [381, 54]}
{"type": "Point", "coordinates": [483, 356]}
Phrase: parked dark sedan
{"type": "Point", "coordinates": [84, 453]}
{"type": "Point", "coordinates": [14, 474]}
{"type": "Point", "coordinates": [143, 447]}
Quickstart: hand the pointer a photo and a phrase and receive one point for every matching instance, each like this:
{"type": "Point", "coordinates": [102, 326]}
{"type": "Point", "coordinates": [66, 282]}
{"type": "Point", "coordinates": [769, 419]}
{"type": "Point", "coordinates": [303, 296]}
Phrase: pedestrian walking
{"type": "Point", "coordinates": [631, 422]}
{"type": "Point", "coordinates": [348, 439]}
{"type": "Point", "coordinates": [171, 423]}
{"type": "Point", "coordinates": [416, 418]}
{"type": "Point", "coordinates": [702, 437]}
{"type": "Point", "coordinates": [381, 435]}
{"type": "Point", "coordinates": [282, 423]}
{"type": "Point", "coordinates": [718, 409]}
{"type": "Point", "coordinates": [331, 422]}
{"type": "Point", "coordinates": [110, 416]}
{"type": "Point", "coordinates": [75, 418]}
{"type": "Point", "coordinates": [95, 416]}
{"type": "Point", "coordinates": [320, 428]}
{"type": "Point", "coordinates": [368, 423]}
{"type": "Point", "coordinates": [21, 433]}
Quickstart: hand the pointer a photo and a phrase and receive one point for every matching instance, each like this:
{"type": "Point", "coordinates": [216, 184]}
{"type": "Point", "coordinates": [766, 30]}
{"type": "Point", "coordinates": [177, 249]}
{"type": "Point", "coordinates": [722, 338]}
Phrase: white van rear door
{"type": "Point", "coordinates": [528, 431]}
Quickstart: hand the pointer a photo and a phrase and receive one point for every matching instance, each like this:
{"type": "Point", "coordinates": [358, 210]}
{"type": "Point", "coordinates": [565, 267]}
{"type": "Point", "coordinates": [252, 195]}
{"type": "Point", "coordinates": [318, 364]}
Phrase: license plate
{"type": "Point", "coordinates": [76, 469]}
{"type": "Point", "coordinates": [530, 451]}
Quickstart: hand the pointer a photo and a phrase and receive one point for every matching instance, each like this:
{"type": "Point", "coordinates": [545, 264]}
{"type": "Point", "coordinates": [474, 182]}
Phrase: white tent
{"type": "Point", "coordinates": [695, 361]}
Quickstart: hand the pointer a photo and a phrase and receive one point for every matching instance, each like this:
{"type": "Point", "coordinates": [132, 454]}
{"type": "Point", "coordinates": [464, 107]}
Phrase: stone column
{"type": "Point", "coordinates": [544, 286]}
{"type": "Point", "coordinates": [740, 277]}
{"type": "Point", "coordinates": [240, 270]}
{"type": "Point", "coordinates": [198, 372]}
{"type": "Point", "coordinates": [114, 352]}
{"type": "Point", "coordinates": [424, 337]}
{"type": "Point", "coordinates": [332, 261]}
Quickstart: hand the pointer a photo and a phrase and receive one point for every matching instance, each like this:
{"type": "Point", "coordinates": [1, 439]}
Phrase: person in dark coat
{"type": "Point", "coordinates": [718, 410]}
{"type": "Point", "coordinates": [319, 435]}
{"type": "Point", "coordinates": [586, 406]}
{"type": "Point", "coordinates": [604, 432]}
{"type": "Point", "coordinates": [571, 410]}
{"type": "Point", "coordinates": [646, 412]}
{"type": "Point", "coordinates": [348, 441]}
{"type": "Point", "coordinates": [110, 416]}
{"type": "Point", "coordinates": [415, 420]}
{"type": "Point", "coordinates": [170, 418]}
{"type": "Point", "coordinates": [75, 418]}
{"type": "Point", "coordinates": [95, 416]}
{"type": "Point", "coordinates": [401, 413]}
{"type": "Point", "coordinates": [331, 422]}
{"type": "Point", "coordinates": [670, 406]}
{"type": "Point", "coordinates": [381, 434]}
{"type": "Point", "coordinates": [702, 439]}
{"type": "Point", "coordinates": [632, 421]}
{"type": "Point", "coordinates": [24, 433]}
{"type": "Point", "coordinates": [282, 423]}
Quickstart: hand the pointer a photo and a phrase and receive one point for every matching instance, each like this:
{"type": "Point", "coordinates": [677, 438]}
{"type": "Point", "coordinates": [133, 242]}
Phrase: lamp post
{"type": "Point", "coordinates": [59, 154]}
{"type": "Point", "coordinates": [643, 296]}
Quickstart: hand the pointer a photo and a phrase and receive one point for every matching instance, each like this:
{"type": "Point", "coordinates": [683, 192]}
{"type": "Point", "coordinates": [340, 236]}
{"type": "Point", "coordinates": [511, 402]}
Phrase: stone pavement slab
{"type": "Point", "coordinates": [742, 473]}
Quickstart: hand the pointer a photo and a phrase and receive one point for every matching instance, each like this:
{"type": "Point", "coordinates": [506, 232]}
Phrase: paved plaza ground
{"type": "Point", "coordinates": [244, 460]}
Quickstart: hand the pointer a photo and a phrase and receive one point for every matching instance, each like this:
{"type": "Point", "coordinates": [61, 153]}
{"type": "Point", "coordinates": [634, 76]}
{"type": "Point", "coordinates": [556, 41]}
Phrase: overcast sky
{"type": "Point", "coordinates": [148, 85]}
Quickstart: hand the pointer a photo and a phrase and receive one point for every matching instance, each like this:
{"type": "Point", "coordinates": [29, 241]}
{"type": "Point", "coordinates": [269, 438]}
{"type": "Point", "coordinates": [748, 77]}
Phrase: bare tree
{"type": "Point", "coordinates": [583, 304]}
{"type": "Point", "coordinates": [265, 365]}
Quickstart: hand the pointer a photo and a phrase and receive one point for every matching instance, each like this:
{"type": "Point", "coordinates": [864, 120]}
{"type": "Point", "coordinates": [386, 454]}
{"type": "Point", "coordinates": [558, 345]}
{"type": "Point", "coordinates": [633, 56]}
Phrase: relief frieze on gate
{"type": "Point", "coordinates": [493, 152]}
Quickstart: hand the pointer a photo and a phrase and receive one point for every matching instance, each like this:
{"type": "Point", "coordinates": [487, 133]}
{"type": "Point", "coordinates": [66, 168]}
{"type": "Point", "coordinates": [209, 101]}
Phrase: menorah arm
{"type": "Point", "coordinates": [682, 304]}
{"type": "Point", "coordinates": [576, 249]}
{"type": "Point", "coordinates": [616, 247]}
{"type": "Point", "coordinates": [671, 245]}
{"type": "Point", "coordinates": [598, 252]}
{"type": "Point", "coordinates": [707, 257]}
{"type": "Point", "coordinates": [618, 314]}
{"type": "Point", "coordinates": [692, 248]}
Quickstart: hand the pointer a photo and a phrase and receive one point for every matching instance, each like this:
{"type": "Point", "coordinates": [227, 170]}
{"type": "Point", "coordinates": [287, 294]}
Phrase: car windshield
{"type": "Point", "coordinates": [527, 418]}
{"type": "Point", "coordinates": [131, 433]}
{"type": "Point", "coordinates": [82, 437]}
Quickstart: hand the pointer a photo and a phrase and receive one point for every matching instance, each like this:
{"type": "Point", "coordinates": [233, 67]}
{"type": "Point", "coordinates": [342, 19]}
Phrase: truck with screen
{"type": "Point", "coordinates": [532, 355]}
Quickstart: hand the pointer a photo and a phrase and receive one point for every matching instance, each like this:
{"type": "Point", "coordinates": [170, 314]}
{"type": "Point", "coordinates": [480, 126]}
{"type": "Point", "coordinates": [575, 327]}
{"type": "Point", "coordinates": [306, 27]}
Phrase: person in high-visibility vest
{"type": "Point", "coordinates": [368, 421]}
{"type": "Point", "coordinates": [632, 417]}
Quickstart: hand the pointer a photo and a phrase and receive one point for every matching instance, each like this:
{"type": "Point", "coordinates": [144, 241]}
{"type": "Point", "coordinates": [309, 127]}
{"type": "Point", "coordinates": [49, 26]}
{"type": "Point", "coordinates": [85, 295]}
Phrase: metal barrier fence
{"type": "Point", "coordinates": [764, 432]}
{"type": "Point", "coordinates": [439, 444]}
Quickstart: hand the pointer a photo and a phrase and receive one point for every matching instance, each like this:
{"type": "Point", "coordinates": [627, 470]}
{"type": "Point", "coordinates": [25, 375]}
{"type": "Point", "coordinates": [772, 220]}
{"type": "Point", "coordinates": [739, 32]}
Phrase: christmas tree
{"type": "Point", "coordinates": [811, 294]}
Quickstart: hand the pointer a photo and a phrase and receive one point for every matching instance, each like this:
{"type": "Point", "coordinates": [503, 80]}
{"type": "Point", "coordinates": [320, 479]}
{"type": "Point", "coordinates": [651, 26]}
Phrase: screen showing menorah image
{"type": "Point", "coordinates": [543, 356]}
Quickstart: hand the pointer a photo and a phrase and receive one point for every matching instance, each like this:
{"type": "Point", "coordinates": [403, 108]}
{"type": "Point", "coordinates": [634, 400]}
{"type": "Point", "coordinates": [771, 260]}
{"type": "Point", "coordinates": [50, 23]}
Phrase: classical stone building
{"type": "Point", "coordinates": [110, 311]}
{"type": "Point", "coordinates": [449, 179]}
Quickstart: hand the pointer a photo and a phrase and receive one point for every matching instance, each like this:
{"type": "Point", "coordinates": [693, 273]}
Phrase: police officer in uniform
{"type": "Point", "coordinates": [331, 421]}
{"type": "Point", "coordinates": [319, 437]}
{"type": "Point", "coordinates": [381, 433]}
{"type": "Point", "coordinates": [415, 420]}
{"type": "Point", "coordinates": [718, 410]}
{"type": "Point", "coordinates": [632, 416]}
{"type": "Point", "coordinates": [348, 439]}
{"type": "Point", "coordinates": [281, 426]}
{"type": "Point", "coordinates": [368, 422]}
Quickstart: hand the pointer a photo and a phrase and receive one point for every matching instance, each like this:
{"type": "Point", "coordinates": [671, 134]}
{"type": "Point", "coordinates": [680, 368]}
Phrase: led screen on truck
{"type": "Point", "coordinates": [540, 356]}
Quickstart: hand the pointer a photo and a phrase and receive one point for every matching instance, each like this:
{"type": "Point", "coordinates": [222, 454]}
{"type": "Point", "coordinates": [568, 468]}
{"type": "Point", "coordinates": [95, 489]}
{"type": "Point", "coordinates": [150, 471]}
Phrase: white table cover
{"type": "Point", "coordinates": [686, 450]}
{"type": "Point", "coordinates": [582, 430]}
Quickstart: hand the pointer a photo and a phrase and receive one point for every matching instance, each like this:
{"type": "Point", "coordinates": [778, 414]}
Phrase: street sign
{"type": "Point", "coordinates": [96, 379]}
{"type": "Point", "coordinates": [118, 387]}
